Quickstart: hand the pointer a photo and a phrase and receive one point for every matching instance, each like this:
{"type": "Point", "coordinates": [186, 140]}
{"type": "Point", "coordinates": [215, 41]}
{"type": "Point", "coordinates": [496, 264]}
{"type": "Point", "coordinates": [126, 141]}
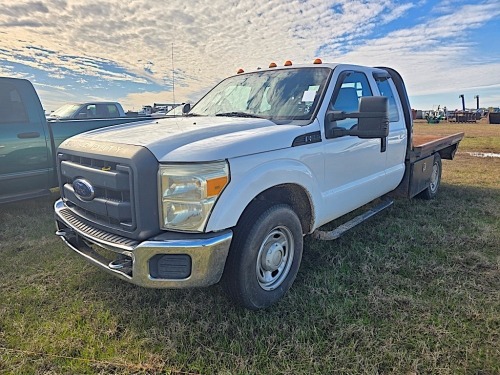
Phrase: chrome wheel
{"type": "Point", "coordinates": [275, 258]}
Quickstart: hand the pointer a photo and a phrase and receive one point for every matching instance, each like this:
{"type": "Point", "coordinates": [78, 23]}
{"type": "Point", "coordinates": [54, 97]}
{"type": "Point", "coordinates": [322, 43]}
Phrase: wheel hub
{"type": "Point", "coordinates": [273, 257]}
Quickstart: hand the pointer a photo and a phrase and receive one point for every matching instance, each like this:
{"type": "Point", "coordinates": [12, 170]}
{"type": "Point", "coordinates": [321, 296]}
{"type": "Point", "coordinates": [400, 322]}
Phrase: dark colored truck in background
{"type": "Point", "coordinates": [28, 141]}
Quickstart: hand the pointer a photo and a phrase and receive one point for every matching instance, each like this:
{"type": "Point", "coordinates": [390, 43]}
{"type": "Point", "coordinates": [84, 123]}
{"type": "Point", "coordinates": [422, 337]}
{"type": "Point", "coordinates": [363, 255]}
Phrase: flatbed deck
{"type": "Point", "coordinates": [425, 145]}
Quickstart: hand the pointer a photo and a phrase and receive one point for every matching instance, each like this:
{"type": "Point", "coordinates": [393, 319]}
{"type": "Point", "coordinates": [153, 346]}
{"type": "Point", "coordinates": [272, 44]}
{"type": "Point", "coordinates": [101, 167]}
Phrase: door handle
{"type": "Point", "coordinates": [28, 135]}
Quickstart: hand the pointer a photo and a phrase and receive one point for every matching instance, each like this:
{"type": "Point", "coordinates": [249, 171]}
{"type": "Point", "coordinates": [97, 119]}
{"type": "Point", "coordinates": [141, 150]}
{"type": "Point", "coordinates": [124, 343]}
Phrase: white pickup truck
{"type": "Point", "coordinates": [228, 191]}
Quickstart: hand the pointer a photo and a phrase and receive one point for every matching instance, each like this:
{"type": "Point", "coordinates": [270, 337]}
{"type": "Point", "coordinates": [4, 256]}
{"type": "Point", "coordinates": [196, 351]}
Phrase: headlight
{"type": "Point", "coordinates": [188, 193]}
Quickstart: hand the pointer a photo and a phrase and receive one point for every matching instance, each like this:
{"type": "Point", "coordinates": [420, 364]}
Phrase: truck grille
{"type": "Point", "coordinates": [110, 187]}
{"type": "Point", "coordinates": [111, 205]}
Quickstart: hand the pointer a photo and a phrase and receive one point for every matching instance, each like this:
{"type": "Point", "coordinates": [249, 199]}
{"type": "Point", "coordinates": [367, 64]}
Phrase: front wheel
{"type": "Point", "coordinates": [265, 255]}
{"type": "Point", "coordinates": [431, 191]}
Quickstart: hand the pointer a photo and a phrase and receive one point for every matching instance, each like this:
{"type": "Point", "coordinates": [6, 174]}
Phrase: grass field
{"type": "Point", "coordinates": [414, 291]}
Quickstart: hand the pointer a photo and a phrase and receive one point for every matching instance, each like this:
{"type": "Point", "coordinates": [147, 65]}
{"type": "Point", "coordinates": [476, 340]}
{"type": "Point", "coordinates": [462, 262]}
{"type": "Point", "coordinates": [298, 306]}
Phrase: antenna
{"type": "Point", "coordinates": [173, 75]}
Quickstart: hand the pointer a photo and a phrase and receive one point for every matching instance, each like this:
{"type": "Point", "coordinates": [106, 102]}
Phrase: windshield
{"type": "Point", "coordinates": [287, 94]}
{"type": "Point", "coordinates": [66, 110]}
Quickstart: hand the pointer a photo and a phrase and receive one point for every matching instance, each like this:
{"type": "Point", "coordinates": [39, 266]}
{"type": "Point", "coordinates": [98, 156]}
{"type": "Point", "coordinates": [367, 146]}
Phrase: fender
{"type": "Point", "coordinates": [254, 174]}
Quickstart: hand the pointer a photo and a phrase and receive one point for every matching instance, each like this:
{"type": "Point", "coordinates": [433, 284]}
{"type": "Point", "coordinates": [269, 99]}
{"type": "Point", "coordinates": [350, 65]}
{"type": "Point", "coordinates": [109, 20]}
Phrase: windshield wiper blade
{"type": "Point", "coordinates": [237, 114]}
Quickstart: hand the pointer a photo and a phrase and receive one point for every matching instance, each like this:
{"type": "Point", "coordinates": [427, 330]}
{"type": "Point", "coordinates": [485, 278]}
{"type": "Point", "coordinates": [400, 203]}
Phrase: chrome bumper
{"type": "Point", "coordinates": [132, 259]}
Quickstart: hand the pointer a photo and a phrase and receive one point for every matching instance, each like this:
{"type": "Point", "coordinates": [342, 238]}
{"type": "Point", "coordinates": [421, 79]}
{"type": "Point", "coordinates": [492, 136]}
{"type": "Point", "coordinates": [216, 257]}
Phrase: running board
{"type": "Point", "coordinates": [340, 230]}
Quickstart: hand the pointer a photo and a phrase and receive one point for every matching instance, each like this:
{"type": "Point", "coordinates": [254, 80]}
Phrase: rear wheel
{"type": "Point", "coordinates": [431, 191]}
{"type": "Point", "coordinates": [265, 255]}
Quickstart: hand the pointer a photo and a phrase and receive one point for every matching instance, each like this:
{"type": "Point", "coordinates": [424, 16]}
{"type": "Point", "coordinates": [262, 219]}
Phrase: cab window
{"type": "Point", "coordinates": [354, 86]}
{"type": "Point", "coordinates": [113, 111]}
{"type": "Point", "coordinates": [12, 108]}
{"type": "Point", "coordinates": [384, 86]}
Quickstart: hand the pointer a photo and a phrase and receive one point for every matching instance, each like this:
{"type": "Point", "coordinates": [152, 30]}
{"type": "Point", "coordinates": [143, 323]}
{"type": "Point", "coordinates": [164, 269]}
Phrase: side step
{"type": "Point", "coordinates": [340, 230]}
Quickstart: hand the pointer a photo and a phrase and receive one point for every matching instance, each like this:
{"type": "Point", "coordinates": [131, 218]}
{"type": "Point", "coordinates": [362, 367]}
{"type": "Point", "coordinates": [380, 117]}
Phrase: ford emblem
{"type": "Point", "coordinates": [83, 189]}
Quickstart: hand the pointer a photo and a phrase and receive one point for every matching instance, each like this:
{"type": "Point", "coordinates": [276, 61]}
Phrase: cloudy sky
{"type": "Point", "coordinates": [122, 50]}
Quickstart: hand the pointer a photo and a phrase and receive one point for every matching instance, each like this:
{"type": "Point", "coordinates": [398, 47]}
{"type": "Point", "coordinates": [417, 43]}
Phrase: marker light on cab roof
{"type": "Point", "coordinates": [318, 61]}
{"type": "Point", "coordinates": [240, 71]}
{"type": "Point", "coordinates": [288, 63]}
{"type": "Point", "coordinates": [273, 65]}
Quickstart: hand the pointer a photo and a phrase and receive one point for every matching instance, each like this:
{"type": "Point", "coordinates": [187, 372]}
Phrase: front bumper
{"type": "Point", "coordinates": [134, 261]}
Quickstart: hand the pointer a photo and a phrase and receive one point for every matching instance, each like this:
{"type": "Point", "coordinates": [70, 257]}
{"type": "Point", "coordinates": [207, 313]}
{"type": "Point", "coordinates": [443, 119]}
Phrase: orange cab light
{"type": "Point", "coordinates": [318, 61]}
{"type": "Point", "coordinates": [273, 65]}
{"type": "Point", "coordinates": [240, 71]}
{"type": "Point", "coordinates": [288, 63]}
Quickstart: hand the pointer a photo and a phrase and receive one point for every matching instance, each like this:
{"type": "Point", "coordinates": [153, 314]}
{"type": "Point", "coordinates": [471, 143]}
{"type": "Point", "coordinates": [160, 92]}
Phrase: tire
{"type": "Point", "coordinates": [265, 255]}
{"type": "Point", "coordinates": [431, 191]}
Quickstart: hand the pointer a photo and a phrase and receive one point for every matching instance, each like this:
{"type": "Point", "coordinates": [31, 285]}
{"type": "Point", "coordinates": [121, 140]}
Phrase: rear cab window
{"type": "Point", "coordinates": [385, 89]}
{"type": "Point", "coordinates": [12, 108]}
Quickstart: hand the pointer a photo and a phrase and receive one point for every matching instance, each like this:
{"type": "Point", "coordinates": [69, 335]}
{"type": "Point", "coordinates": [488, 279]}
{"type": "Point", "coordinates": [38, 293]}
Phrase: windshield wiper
{"type": "Point", "coordinates": [237, 114]}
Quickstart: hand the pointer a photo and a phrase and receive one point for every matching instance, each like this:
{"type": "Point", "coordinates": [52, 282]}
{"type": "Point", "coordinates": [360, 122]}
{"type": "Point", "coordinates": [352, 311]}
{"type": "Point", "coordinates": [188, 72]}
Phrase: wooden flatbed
{"type": "Point", "coordinates": [425, 145]}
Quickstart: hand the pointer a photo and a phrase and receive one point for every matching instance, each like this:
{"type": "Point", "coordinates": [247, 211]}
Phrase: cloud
{"type": "Point", "coordinates": [129, 44]}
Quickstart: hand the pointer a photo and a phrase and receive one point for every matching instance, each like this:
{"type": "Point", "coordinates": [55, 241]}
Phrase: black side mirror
{"type": "Point", "coordinates": [186, 108]}
{"type": "Point", "coordinates": [373, 119]}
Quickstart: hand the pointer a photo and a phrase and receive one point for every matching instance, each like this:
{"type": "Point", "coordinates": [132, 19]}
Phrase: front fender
{"type": "Point", "coordinates": [254, 174]}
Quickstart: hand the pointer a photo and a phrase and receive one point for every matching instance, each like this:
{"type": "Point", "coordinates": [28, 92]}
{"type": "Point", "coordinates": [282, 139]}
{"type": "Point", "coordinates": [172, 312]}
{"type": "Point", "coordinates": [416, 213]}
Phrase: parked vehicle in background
{"type": "Point", "coordinates": [229, 190]}
{"type": "Point", "coordinates": [28, 141]}
{"type": "Point", "coordinates": [146, 110]}
{"type": "Point", "coordinates": [79, 111]}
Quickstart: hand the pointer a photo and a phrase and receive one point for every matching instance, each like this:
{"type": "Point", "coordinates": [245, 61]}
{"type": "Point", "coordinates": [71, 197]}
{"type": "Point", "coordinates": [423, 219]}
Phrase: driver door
{"type": "Point", "coordinates": [354, 167]}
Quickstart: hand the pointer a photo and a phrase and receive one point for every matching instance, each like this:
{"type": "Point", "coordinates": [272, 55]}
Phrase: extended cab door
{"type": "Point", "coordinates": [397, 139]}
{"type": "Point", "coordinates": [354, 167]}
{"type": "Point", "coordinates": [24, 161]}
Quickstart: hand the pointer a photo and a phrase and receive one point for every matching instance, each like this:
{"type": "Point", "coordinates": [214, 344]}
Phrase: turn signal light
{"type": "Point", "coordinates": [215, 186]}
{"type": "Point", "coordinates": [288, 63]}
{"type": "Point", "coordinates": [273, 65]}
{"type": "Point", "coordinates": [318, 61]}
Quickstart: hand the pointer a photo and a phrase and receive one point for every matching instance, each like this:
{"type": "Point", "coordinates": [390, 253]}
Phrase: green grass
{"type": "Point", "coordinates": [415, 290]}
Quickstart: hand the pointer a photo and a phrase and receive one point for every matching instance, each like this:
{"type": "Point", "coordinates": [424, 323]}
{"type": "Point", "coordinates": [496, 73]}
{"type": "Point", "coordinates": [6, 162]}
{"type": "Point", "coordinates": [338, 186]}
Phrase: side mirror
{"type": "Point", "coordinates": [373, 119]}
{"type": "Point", "coordinates": [186, 108]}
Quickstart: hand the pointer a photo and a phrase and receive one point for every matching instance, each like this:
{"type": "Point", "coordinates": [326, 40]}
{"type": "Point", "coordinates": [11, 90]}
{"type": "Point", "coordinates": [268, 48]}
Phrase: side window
{"type": "Point", "coordinates": [88, 111]}
{"type": "Point", "coordinates": [385, 90]}
{"type": "Point", "coordinates": [12, 108]}
{"type": "Point", "coordinates": [101, 111]}
{"type": "Point", "coordinates": [113, 111]}
{"type": "Point", "coordinates": [354, 86]}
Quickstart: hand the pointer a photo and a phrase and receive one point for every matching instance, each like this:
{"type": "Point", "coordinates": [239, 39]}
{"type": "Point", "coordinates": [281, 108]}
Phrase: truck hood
{"type": "Point", "coordinates": [195, 139]}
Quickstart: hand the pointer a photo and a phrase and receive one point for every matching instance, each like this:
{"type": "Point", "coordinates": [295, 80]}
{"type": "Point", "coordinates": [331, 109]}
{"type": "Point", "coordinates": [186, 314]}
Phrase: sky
{"type": "Point", "coordinates": [142, 52]}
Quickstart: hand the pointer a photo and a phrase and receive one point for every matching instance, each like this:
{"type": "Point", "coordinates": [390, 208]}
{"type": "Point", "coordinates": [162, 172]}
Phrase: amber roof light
{"type": "Point", "coordinates": [273, 65]}
{"type": "Point", "coordinates": [288, 63]}
{"type": "Point", "coordinates": [318, 61]}
{"type": "Point", "coordinates": [240, 71]}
